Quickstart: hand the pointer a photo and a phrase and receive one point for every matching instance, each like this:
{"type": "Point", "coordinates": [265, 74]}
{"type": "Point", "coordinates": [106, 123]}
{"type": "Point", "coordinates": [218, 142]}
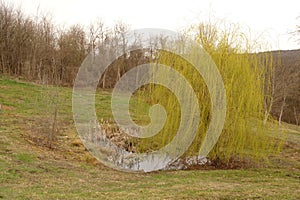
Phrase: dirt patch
{"type": "Point", "coordinates": [290, 130]}
{"type": "Point", "coordinates": [4, 107]}
{"type": "Point", "coordinates": [4, 87]}
{"type": "Point", "coordinates": [233, 163]}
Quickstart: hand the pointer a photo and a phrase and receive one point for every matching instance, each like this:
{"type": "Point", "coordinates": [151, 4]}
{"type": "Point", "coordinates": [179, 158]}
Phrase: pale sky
{"type": "Point", "coordinates": [270, 18]}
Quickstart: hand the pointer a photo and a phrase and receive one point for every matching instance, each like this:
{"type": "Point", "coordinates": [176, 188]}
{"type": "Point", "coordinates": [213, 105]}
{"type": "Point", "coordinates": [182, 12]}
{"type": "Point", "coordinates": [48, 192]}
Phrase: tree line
{"type": "Point", "coordinates": [37, 50]}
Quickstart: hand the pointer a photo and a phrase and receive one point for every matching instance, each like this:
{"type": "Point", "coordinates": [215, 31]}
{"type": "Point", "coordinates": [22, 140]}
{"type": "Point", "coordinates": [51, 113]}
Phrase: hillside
{"type": "Point", "coordinates": [287, 85]}
{"type": "Point", "coordinates": [35, 166]}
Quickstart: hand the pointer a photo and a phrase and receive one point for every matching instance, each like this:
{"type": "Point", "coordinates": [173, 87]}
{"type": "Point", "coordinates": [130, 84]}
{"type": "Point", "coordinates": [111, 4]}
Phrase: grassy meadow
{"type": "Point", "coordinates": [29, 169]}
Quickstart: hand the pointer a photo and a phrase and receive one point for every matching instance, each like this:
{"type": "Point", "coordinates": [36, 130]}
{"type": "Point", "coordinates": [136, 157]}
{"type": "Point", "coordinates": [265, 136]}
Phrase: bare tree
{"type": "Point", "coordinates": [120, 31]}
{"type": "Point", "coordinates": [286, 86]}
{"type": "Point", "coordinates": [71, 51]}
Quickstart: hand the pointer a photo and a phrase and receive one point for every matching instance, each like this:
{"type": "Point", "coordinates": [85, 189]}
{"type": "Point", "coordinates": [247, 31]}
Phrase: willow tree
{"type": "Point", "coordinates": [245, 79]}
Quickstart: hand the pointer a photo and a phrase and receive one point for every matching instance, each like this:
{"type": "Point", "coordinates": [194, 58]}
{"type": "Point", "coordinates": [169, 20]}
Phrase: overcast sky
{"type": "Point", "coordinates": [273, 19]}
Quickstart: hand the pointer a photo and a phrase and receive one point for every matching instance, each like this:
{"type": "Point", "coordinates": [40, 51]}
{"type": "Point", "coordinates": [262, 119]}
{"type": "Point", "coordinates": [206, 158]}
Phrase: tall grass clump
{"type": "Point", "coordinates": [245, 79]}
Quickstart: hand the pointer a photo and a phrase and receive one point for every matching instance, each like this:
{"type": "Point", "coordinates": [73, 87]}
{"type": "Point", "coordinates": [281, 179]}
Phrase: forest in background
{"type": "Point", "coordinates": [37, 50]}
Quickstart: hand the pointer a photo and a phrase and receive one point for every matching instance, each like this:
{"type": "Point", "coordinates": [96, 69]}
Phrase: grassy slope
{"type": "Point", "coordinates": [30, 171]}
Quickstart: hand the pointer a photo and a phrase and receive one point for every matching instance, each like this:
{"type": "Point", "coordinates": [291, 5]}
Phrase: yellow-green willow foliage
{"type": "Point", "coordinates": [243, 73]}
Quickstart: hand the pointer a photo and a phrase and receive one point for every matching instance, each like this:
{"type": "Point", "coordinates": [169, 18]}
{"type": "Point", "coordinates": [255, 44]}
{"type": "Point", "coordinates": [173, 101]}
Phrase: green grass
{"type": "Point", "coordinates": [25, 157]}
{"type": "Point", "coordinates": [32, 171]}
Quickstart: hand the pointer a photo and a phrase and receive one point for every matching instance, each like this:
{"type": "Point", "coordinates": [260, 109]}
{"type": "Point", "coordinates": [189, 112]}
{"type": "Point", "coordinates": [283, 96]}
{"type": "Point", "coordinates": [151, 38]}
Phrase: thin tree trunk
{"type": "Point", "coordinates": [2, 64]}
{"type": "Point", "coordinates": [296, 117]}
{"type": "Point", "coordinates": [103, 80]}
{"type": "Point", "coordinates": [268, 111]}
{"type": "Point", "coordinates": [281, 110]}
{"type": "Point", "coordinates": [54, 125]}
